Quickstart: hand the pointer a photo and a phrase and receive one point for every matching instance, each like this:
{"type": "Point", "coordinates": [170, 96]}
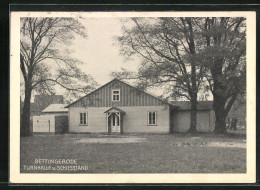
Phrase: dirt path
{"type": "Point", "coordinates": [227, 144]}
{"type": "Point", "coordinates": [111, 140]}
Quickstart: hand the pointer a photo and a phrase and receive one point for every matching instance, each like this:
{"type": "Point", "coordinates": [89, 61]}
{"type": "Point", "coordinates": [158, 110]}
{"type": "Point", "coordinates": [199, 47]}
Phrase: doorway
{"type": "Point", "coordinates": [114, 118]}
{"type": "Point", "coordinates": [115, 123]}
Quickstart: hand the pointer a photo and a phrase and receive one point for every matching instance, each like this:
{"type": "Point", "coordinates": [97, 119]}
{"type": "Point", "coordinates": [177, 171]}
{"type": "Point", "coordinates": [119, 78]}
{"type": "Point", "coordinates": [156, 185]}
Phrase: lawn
{"type": "Point", "coordinates": [177, 153]}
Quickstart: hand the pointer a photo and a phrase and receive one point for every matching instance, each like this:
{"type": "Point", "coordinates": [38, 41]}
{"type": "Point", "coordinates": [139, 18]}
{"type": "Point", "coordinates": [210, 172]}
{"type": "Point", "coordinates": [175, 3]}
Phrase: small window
{"type": "Point", "coordinates": [115, 95]}
{"type": "Point", "coordinates": [151, 118]}
{"type": "Point", "coordinates": [83, 118]}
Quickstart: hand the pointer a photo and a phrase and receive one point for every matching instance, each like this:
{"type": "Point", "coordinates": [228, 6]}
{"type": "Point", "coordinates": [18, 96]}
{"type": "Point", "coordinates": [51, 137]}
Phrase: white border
{"type": "Point", "coordinates": [16, 177]}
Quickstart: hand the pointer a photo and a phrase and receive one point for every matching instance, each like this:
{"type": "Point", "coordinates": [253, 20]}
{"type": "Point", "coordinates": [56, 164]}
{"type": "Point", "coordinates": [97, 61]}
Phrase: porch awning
{"type": "Point", "coordinates": [114, 110]}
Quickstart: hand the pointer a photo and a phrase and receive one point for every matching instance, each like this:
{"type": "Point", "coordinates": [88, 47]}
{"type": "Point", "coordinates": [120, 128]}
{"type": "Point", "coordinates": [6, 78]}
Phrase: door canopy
{"type": "Point", "coordinates": [114, 110]}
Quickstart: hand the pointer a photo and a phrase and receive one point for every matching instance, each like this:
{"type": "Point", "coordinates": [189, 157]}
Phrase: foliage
{"type": "Point", "coordinates": [190, 56]}
{"type": "Point", "coordinates": [224, 58]}
{"type": "Point", "coordinates": [41, 42]}
{"type": "Point", "coordinates": [168, 50]}
{"type": "Point", "coordinates": [43, 63]}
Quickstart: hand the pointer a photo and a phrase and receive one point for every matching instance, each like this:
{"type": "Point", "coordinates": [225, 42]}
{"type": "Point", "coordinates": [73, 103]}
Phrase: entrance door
{"type": "Point", "coordinates": [115, 123]}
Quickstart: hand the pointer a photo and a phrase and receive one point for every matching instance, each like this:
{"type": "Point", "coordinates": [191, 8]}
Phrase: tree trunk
{"type": "Point", "coordinates": [220, 114]}
{"type": "Point", "coordinates": [193, 115]}
{"type": "Point", "coordinates": [25, 125]}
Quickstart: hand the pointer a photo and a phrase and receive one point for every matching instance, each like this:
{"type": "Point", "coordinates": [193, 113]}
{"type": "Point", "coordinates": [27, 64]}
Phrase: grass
{"type": "Point", "coordinates": [178, 153]}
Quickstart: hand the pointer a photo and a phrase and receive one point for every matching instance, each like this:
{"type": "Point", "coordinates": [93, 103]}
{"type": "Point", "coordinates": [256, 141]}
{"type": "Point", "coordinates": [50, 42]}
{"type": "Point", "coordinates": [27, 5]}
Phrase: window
{"type": "Point", "coordinates": [115, 95]}
{"type": "Point", "coordinates": [83, 119]}
{"type": "Point", "coordinates": [151, 118]}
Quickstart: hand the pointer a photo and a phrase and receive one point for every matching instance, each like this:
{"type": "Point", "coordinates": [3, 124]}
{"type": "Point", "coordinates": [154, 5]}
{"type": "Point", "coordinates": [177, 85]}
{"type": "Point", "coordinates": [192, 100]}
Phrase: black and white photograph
{"type": "Point", "coordinates": [127, 95]}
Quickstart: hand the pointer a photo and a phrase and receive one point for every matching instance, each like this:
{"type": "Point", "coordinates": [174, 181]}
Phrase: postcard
{"type": "Point", "coordinates": [132, 97]}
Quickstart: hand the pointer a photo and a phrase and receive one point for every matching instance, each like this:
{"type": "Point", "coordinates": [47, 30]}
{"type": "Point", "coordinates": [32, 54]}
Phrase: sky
{"type": "Point", "coordinates": [100, 51]}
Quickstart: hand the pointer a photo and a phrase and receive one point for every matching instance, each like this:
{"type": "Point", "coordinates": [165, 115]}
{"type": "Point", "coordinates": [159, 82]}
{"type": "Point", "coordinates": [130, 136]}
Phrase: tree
{"type": "Point", "coordinates": [191, 55]}
{"type": "Point", "coordinates": [168, 50]}
{"type": "Point", "coordinates": [42, 63]}
{"type": "Point", "coordinates": [224, 57]}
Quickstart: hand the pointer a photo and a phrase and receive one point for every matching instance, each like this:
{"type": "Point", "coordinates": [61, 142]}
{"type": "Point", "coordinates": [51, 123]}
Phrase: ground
{"type": "Point", "coordinates": [177, 153]}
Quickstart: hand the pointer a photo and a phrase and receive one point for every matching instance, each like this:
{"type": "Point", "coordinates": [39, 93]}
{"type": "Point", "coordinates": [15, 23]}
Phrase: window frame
{"type": "Point", "coordinates": [113, 90]}
{"type": "Point", "coordinates": [155, 118]}
{"type": "Point", "coordinates": [86, 119]}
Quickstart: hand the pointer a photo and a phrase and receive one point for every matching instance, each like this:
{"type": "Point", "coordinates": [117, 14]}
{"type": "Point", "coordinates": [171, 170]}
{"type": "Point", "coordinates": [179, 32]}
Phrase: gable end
{"type": "Point", "coordinates": [129, 96]}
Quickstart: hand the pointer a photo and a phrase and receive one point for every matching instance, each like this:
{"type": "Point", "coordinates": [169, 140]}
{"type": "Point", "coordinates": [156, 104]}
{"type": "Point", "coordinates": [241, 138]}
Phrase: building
{"type": "Point", "coordinates": [53, 119]}
{"type": "Point", "coordinates": [118, 107]}
{"type": "Point", "coordinates": [55, 109]}
{"type": "Point", "coordinates": [41, 102]}
{"type": "Point", "coordinates": [205, 116]}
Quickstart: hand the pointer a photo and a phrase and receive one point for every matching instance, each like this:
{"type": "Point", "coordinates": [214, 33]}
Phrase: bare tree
{"type": "Point", "coordinates": [42, 63]}
{"type": "Point", "coordinates": [168, 50]}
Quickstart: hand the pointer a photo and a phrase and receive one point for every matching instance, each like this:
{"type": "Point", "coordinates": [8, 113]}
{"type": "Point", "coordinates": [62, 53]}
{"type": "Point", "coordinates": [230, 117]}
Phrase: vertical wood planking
{"type": "Point", "coordinates": [129, 96]}
{"type": "Point", "coordinates": [142, 98]}
{"type": "Point", "coordinates": [123, 95]}
{"type": "Point", "coordinates": [106, 96]}
{"type": "Point", "coordinates": [101, 97]}
{"type": "Point", "coordinates": [95, 100]}
{"type": "Point", "coordinates": [135, 98]}
{"type": "Point", "coordinates": [153, 100]}
{"type": "Point", "coordinates": [146, 100]}
{"type": "Point", "coordinates": [98, 102]}
{"type": "Point", "coordinates": [108, 89]}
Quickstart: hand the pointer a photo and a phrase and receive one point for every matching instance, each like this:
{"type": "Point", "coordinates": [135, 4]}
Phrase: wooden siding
{"type": "Point", "coordinates": [129, 96]}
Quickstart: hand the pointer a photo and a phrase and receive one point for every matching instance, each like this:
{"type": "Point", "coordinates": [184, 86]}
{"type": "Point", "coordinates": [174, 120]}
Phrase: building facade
{"type": "Point", "coordinates": [117, 107]}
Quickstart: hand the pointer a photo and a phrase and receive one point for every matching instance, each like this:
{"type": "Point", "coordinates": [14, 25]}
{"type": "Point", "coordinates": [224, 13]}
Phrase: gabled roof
{"type": "Point", "coordinates": [56, 108]}
{"type": "Point", "coordinates": [201, 105]}
{"type": "Point", "coordinates": [114, 108]}
{"type": "Point", "coordinates": [125, 84]}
